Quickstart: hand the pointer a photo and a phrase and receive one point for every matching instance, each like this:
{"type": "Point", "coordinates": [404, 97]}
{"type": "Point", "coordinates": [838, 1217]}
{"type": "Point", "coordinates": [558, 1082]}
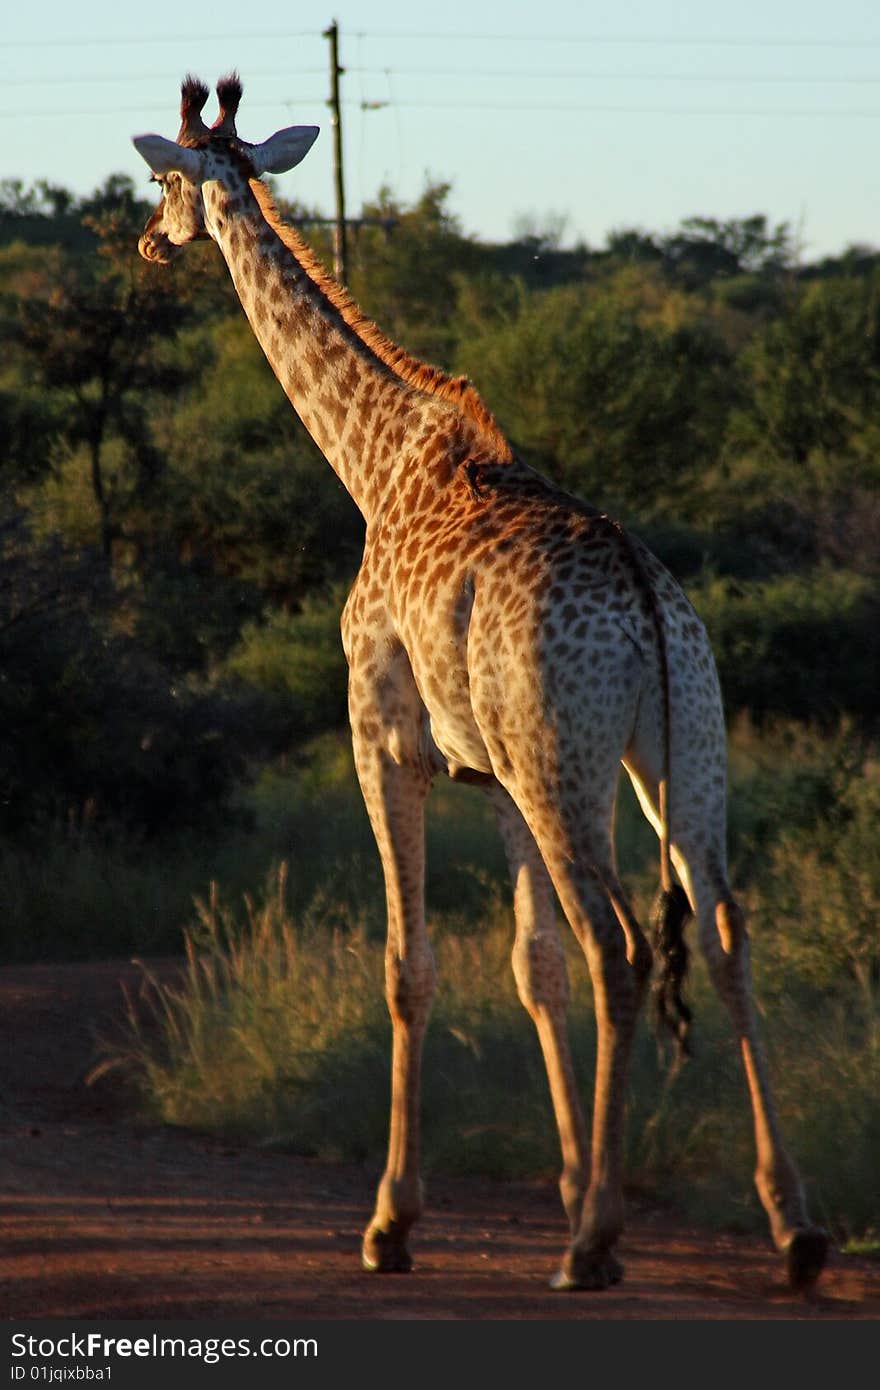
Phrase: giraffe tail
{"type": "Point", "coordinates": [671, 909]}
{"type": "Point", "coordinates": [669, 917]}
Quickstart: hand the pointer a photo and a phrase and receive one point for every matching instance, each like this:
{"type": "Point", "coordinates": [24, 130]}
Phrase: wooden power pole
{"type": "Point", "coordinates": [340, 246]}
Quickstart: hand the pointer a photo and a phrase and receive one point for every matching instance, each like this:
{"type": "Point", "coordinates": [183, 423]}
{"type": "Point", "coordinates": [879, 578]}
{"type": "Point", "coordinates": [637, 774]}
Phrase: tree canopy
{"type": "Point", "coordinates": [174, 552]}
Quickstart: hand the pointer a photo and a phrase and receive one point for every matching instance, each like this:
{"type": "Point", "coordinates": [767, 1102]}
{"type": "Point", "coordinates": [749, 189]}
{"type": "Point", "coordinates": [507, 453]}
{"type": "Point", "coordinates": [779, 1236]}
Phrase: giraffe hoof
{"type": "Point", "coordinates": [805, 1257]}
{"type": "Point", "coordinates": [587, 1270]}
{"type": "Point", "coordinates": [385, 1252]}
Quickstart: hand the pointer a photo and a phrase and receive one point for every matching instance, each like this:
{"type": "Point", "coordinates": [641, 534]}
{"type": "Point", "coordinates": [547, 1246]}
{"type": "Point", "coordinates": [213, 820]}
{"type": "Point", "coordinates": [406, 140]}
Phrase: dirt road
{"type": "Point", "coordinates": [102, 1217]}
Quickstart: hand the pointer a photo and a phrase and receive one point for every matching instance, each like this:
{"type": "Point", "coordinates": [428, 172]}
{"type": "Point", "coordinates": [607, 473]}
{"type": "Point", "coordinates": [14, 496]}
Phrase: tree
{"type": "Point", "coordinates": [705, 248]}
{"type": "Point", "coordinates": [629, 245]}
{"type": "Point", "coordinates": [811, 377]}
{"type": "Point", "coordinates": [95, 338]}
{"type": "Point", "coordinates": [246, 491]}
{"type": "Point", "coordinates": [595, 388]}
{"type": "Point", "coordinates": [404, 265]}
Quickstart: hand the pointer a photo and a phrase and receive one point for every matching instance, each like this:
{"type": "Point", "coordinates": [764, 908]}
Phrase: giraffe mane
{"type": "Point", "coordinates": [421, 375]}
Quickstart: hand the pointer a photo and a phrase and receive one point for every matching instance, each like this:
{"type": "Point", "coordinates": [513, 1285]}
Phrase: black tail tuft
{"type": "Point", "coordinates": [668, 919]}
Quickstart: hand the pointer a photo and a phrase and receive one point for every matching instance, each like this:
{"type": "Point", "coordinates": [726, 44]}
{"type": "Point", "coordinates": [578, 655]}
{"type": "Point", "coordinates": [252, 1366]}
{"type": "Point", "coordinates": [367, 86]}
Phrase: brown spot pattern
{"type": "Point", "coordinates": [503, 632]}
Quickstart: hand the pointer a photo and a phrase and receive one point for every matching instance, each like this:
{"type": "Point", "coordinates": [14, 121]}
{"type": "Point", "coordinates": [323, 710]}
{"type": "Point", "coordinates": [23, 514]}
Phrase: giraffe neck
{"type": "Point", "coordinates": [357, 407]}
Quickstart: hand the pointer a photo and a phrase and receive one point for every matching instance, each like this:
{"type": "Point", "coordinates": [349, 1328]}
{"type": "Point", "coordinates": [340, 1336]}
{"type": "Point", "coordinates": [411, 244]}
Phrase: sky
{"type": "Point", "coordinates": [568, 117]}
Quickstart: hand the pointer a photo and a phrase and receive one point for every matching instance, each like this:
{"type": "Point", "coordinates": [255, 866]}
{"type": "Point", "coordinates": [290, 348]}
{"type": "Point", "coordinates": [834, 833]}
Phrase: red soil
{"type": "Point", "coordinates": [101, 1216]}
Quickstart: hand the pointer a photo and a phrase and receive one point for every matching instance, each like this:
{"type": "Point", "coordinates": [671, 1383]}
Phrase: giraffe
{"type": "Point", "coordinates": [501, 632]}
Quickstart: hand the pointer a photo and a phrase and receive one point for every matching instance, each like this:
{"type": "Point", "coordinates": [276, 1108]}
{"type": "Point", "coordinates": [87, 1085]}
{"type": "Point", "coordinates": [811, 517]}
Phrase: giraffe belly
{"type": "Point", "coordinates": [441, 678]}
{"type": "Point", "coordinates": [435, 635]}
{"type": "Point", "coordinates": [460, 745]}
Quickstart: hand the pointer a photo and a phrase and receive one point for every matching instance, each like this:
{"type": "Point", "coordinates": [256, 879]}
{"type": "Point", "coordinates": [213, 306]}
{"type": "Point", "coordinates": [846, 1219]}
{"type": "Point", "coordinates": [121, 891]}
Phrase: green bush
{"type": "Point", "coordinates": [801, 646]}
{"type": "Point", "coordinates": [598, 389]}
{"type": "Point", "coordinates": [297, 660]}
{"type": "Point", "coordinates": [91, 730]}
{"type": "Point", "coordinates": [817, 900]}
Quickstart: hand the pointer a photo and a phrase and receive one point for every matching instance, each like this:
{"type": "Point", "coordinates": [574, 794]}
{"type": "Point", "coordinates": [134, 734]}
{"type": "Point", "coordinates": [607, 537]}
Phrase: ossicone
{"type": "Point", "coordinates": [193, 95]}
{"type": "Point", "coordinates": [229, 93]}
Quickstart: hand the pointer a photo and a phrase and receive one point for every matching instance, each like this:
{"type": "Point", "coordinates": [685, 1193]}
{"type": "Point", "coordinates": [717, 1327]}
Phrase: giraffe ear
{"type": "Point", "coordinates": [166, 157]}
{"type": "Point", "coordinates": [283, 150]}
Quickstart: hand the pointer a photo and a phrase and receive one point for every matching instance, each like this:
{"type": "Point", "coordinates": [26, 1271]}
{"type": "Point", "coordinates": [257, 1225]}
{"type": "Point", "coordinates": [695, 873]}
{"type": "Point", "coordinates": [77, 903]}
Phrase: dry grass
{"type": "Point", "coordinates": [278, 1030]}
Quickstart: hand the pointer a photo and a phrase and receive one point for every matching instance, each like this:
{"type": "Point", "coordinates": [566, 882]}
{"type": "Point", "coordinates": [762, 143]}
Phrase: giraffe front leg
{"type": "Point", "coordinates": [395, 795]}
{"type": "Point", "coordinates": [409, 975]}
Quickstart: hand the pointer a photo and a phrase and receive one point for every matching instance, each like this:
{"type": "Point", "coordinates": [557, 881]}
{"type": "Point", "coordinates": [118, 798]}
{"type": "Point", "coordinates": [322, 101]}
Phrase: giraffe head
{"type": "Point", "coordinates": [202, 154]}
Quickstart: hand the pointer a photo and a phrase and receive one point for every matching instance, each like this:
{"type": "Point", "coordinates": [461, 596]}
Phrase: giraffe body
{"type": "Point", "coordinates": [504, 633]}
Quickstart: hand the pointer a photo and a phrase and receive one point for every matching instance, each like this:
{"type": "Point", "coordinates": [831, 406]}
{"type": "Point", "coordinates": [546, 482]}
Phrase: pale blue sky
{"type": "Point", "coordinates": [607, 115]}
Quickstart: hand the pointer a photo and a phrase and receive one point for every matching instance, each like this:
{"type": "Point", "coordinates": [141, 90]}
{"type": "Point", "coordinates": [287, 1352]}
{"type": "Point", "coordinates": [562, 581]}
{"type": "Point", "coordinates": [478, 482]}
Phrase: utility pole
{"type": "Point", "coordinates": [340, 248]}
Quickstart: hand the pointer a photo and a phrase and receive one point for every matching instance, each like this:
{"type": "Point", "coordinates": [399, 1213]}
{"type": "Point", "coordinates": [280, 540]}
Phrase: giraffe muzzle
{"type": "Point", "coordinates": [158, 248]}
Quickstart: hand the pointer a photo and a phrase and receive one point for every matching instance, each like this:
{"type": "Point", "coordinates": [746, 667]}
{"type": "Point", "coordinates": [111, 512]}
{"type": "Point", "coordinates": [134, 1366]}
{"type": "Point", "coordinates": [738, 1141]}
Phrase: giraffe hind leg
{"type": "Point", "coordinates": [579, 860]}
{"type": "Point", "coordinates": [698, 852]}
{"type": "Point", "coordinates": [804, 1245]}
{"type": "Point", "coordinates": [619, 961]}
{"type": "Point", "coordinates": [542, 984]}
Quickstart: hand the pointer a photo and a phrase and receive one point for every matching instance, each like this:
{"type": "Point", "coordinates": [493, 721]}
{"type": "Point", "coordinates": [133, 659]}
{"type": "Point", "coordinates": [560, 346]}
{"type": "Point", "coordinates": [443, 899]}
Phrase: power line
{"type": "Point", "coordinates": [520, 74]}
{"type": "Point", "coordinates": [82, 80]}
{"type": "Point", "coordinates": [594, 40]}
{"type": "Point", "coordinates": [78, 41]}
{"type": "Point", "coordinates": [583, 75]}
{"type": "Point", "coordinates": [594, 108]}
{"type": "Point", "coordinates": [624, 110]}
{"type": "Point", "coordinates": [58, 114]}
{"type": "Point", "coordinates": [636, 40]}
{"type": "Point", "coordinates": [481, 74]}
